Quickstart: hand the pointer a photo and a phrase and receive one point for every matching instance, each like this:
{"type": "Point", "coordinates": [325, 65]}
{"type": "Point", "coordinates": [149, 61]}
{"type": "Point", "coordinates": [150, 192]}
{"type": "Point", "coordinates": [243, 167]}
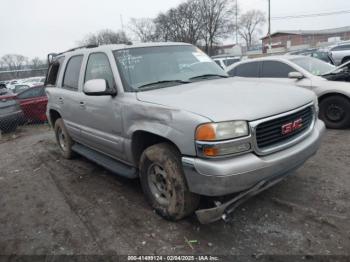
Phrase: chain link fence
{"type": "Point", "coordinates": [23, 103]}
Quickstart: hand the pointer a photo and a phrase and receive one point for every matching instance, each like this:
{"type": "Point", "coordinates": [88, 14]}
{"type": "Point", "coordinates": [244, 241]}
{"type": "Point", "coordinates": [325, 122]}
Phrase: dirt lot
{"type": "Point", "coordinates": [49, 205]}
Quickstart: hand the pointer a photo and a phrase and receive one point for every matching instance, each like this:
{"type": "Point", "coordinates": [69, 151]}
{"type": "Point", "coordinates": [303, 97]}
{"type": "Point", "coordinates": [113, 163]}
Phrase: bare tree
{"type": "Point", "coordinates": [144, 29]}
{"type": "Point", "coordinates": [217, 18]}
{"type": "Point", "coordinates": [250, 24]}
{"type": "Point", "coordinates": [14, 61]}
{"type": "Point", "coordinates": [183, 23]}
{"type": "Point", "coordinates": [36, 63]}
{"type": "Point", "coordinates": [105, 37]}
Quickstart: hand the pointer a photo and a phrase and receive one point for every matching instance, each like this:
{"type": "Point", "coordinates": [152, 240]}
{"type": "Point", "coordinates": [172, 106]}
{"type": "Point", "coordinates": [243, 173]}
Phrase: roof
{"type": "Point", "coordinates": [312, 32]}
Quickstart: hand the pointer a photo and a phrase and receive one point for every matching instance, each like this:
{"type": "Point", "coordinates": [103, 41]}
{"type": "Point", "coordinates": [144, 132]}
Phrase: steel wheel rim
{"type": "Point", "coordinates": [157, 181]}
{"type": "Point", "coordinates": [335, 113]}
{"type": "Point", "coordinates": [61, 139]}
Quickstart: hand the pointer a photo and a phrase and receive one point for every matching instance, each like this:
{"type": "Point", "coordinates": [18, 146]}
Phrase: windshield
{"type": "Point", "coordinates": [157, 67]}
{"type": "Point", "coordinates": [313, 65]}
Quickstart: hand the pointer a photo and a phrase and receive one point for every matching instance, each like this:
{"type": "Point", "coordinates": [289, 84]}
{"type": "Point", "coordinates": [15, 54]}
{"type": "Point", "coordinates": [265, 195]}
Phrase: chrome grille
{"type": "Point", "coordinates": [270, 133]}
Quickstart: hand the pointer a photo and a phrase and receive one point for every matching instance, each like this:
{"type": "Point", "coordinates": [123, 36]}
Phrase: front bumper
{"type": "Point", "coordinates": [10, 119]}
{"type": "Point", "coordinates": [218, 177]}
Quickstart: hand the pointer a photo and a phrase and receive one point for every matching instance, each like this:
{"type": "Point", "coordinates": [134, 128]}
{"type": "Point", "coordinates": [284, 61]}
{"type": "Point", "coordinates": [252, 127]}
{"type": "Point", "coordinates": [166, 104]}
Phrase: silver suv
{"type": "Point", "coordinates": [167, 114]}
{"type": "Point", "coordinates": [340, 53]}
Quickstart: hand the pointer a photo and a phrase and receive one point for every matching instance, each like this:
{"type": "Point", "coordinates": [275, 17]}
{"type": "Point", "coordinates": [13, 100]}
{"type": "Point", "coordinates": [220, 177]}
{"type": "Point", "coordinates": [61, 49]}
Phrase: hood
{"type": "Point", "coordinates": [346, 64]}
{"type": "Point", "coordinates": [230, 98]}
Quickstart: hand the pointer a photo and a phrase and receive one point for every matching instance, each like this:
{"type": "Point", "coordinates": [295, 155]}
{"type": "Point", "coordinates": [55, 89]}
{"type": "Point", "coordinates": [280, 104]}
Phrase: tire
{"type": "Point", "coordinates": [63, 139]}
{"type": "Point", "coordinates": [9, 127]}
{"type": "Point", "coordinates": [163, 182]}
{"type": "Point", "coordinates": [335, 112]}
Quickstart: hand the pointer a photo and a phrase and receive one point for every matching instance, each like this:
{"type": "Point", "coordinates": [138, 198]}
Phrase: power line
{"type": "Point", "coordinates": [311, 15]}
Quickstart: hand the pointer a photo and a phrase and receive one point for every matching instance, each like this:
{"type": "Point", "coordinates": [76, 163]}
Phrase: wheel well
{"type": "Point", "coordinates": [54, 115]}
{"type": "Point", "coordinates": [321, 98]}
{"type": "Point", "coordinates": [142, 140]}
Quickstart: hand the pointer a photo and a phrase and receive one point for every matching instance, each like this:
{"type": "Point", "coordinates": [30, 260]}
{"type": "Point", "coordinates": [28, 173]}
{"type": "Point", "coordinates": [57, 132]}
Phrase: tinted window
{"type": "Point", "coordinates": [98, 67]}
{"type": "Point", "coordinates": [230, 61]}
{"type": "Point", "coordinates": [31, 93]}
{"type": "Point", "coordinates": [71, 76]}
{"type": "Point", "coordinates": [341, 47]}
{"type": "Point", "coordinates": [276, 69]}
{"type": "Point", "coordinates": [53, 72]}
{"type": "Point", "coordinates": [246, 70]}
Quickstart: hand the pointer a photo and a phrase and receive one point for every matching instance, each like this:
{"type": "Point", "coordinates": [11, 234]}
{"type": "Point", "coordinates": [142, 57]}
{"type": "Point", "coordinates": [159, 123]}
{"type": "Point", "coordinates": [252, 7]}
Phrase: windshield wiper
{"type": "Point", "coordinates": [208, 75]}
{"type": "Point", "coordinates": [162, 82]}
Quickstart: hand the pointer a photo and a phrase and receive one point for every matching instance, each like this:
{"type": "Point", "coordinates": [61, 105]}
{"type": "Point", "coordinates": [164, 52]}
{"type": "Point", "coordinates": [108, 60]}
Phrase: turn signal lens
{"type": "Point", "coordinates": [206, 132]}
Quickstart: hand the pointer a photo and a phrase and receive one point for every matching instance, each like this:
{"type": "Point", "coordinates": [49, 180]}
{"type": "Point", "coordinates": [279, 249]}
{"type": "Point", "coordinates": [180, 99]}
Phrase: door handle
{"type": "Point", "coordinates": [82, 105]}
{"type": "Point", "coordinates": [60, 100]}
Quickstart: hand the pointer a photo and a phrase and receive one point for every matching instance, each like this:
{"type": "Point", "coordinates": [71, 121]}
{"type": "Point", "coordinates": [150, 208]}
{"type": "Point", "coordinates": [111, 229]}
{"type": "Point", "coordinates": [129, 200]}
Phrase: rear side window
{"type": "Point", "coordinates": [98, 67]}
{"type": "Point", "coordinates": [72, 73]}
{"type": "Point", "coordinates": [275, 69]}
{"type": "Point", "coordinates": [230, 61]}
{"type": "Point", "coordinates": [341, 47]}
{"type": "Point", "coordinates": [53, 72]}
{"type": "Point", "coordinates": [246, 70]}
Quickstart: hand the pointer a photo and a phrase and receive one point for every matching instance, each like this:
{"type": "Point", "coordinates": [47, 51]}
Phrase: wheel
{"type": "Point", "coordinates": [64, 141]}
{"type": "Point", "coordinates": [163, 182]}
{"type": "Point", "coordinates": [335, 112]}
{"type": "Point", "coordinates": [9, 127]}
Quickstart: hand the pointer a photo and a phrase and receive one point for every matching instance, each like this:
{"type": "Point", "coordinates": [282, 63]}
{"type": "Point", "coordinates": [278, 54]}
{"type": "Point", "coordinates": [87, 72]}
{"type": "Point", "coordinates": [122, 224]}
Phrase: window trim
{"type": "Point", "coordinates": [110, 66]}
{"type": "Point", "coordinates": [65, 71]}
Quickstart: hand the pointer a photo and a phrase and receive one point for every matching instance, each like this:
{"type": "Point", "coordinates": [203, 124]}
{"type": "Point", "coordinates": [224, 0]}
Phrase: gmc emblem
{"type": "Point", "coordinates": [292, 126]}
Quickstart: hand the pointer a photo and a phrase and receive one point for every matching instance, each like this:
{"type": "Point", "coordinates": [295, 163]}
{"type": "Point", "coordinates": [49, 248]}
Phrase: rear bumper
{"type": "Point", "coordinates": [220, 177]}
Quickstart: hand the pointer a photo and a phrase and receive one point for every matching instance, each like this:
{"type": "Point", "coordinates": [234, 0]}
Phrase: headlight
{"type": "Point", "coordinates": [222, 139]}
{"type": "Point", "coordinates": [222, 131]}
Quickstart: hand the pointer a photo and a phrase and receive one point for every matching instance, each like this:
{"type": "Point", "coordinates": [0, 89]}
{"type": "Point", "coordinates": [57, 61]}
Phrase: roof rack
{"type": "Point", "coordinates": [51, 56]}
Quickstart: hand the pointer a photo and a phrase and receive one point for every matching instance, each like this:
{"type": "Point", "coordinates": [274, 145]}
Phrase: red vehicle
{"type": "Point", "coordinates": [33, 102]}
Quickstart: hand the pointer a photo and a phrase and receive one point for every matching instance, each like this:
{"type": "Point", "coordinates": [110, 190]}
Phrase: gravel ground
{"type": "Point", "coordinates": [49, 205]}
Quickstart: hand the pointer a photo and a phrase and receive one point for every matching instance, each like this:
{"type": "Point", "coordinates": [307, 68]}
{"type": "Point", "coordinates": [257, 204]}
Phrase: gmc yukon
{"type": "Point", "coordinates": [167, 114]}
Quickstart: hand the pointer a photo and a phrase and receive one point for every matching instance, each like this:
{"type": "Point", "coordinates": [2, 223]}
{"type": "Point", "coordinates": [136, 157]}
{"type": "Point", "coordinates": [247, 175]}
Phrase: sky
{"type": "Point", "coordinates": [38, 27]}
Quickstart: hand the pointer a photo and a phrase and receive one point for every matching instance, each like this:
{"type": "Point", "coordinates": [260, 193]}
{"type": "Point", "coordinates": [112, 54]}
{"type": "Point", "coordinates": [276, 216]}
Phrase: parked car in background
{"type": "Point", "coordinates": [225, 60]}
{"type": "Point", "coordinates": [307, 72]}
{"type": "Point", "coordinates": [316, 53]}
{"type": "Point", "coordinates": [167, 114]}
{"type": "Point", "coordinates": [35, 80]}
{"type": "Point", "coordinates": [33, 102]}
{"type": "Point", "coordinates": [340, 53]}
{"type": "Point", "coordinates": [17, 88]}
{"type": "Point", "coordinates": [10, 111]}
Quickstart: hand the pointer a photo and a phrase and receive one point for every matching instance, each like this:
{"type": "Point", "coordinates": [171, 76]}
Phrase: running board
{"type": "Point", "coordinates": [106, 161]}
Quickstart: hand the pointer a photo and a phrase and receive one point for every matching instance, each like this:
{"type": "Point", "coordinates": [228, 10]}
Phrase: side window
{"type": "Point", "coordinates": [72, 73]}
{"type": "Point", "coordinates": [341, 47]}
{"type": "Point", "coordinates": [246, 70]}
{"type": "Point", "coordinates": [98, 67]}
{"type": "Point", "coordinates": [275, 69]}
{"type": "Point", "coordinates": [31, 93]}
{"type": "Point", "coordinates": [53, 72]}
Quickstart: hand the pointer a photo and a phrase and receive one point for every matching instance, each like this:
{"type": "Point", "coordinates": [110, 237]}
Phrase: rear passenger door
{"type": "Point", "coordinates": [102, 122]}
{"type": "Point", "coordinates": [69, 97]}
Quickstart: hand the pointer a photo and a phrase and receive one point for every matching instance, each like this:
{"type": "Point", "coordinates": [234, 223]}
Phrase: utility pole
{"type": "Point", "coordinates": [121, 22]}
{"type": "Point", "coordinates": [269, 30]}
{"type": "Point", "coordinates": [236, 22]}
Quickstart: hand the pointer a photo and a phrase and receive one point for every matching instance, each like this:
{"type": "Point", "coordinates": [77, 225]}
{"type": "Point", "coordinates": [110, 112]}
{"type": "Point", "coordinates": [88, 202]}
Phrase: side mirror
{"type": "Point", "coordinates": [295, 75]}
{"type": "Point", "coordinates": [97, 87]}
